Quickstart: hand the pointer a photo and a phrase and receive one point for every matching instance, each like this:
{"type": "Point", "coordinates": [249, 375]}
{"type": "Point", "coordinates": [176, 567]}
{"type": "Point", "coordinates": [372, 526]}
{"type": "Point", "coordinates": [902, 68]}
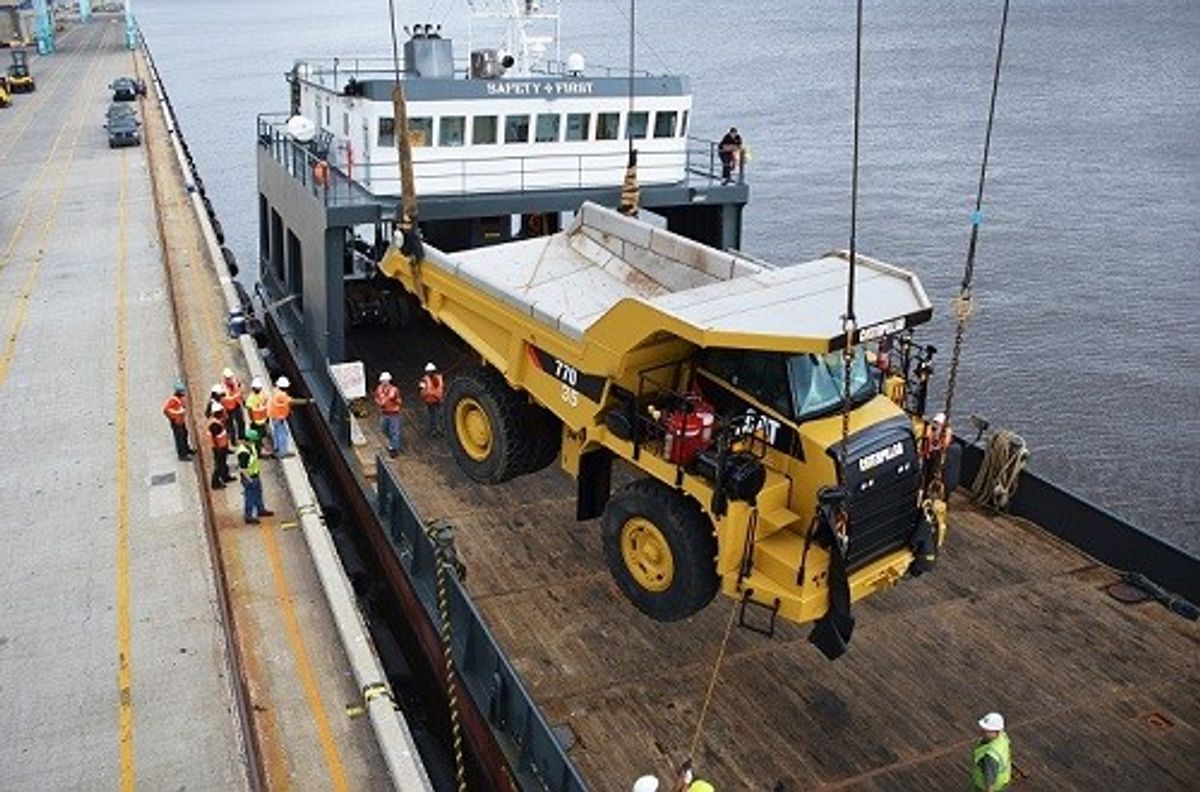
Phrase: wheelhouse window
{"type": "Point", "coordinates": [387, 132]}
{"type": "Point", "coordinates": [420, 132]}
{"type": "Point", "coordinates": [664, 123]}
{"type": "Point", "coordinates": [452, 131]}
{"type": "Point", "coordinates": [638, 123]}
{"type": "Point", "coordinates": [483, 130]}
{"type": "Point", "coordinates": [608, 126]}
{"type": "Point", "coordinates": [547, 128]}
{"type": "Point", "coordinates": [578, 126]}
{"type": "Point", "coordinates": [516, 129]}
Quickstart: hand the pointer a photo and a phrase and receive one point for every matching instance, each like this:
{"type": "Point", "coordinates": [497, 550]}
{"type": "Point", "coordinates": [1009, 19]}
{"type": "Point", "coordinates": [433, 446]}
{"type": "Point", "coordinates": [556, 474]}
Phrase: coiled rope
{"type": "Point", "coordinates": [1000, 472]}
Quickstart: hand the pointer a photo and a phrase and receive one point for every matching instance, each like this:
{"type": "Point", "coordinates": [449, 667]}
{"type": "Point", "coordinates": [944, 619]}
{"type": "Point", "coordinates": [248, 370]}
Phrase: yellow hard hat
{"type": "Point", "coordinates": [701, 786]}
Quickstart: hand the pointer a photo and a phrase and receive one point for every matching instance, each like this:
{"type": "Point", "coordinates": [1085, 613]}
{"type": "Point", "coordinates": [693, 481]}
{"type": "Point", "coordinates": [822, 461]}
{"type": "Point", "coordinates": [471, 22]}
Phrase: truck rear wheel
{"type": "Point", "coordinates": [545, 437]}
{"type": "Point", "coordinates": [488, 433]}
{"type": "Point", "coordinates": [660, 548]}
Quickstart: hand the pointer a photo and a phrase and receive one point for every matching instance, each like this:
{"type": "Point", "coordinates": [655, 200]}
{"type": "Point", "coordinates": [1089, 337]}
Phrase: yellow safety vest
{"type": "Point", "coordinates": [998, 750]}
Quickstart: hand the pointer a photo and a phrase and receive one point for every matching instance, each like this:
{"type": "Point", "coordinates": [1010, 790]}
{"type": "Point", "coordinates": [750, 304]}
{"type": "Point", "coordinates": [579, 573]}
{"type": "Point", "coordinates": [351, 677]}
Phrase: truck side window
{"type": "Point", "coordinates": [762, 375]}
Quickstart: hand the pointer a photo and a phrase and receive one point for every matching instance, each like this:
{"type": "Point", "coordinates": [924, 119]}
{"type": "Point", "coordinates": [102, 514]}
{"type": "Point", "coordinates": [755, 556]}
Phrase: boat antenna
{"type": "Point", "coordinates": [406, 210]}
{"type": "Point", "coordinates": [963, 304]}
{"type": "Point", "coordinates": [629, 188]}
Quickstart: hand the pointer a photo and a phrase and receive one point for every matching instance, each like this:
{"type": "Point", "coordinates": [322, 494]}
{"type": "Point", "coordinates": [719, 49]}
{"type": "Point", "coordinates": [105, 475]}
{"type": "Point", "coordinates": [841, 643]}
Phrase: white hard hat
{"type": "Point", "coordinates": [283, 382]}
{"type": "Point", "coordinates": [256, 383]}
{"type": "Point", "coordinates": [217, 407]}
{"type": "Point", "coordinates": [646, 783]}
{"type": "Point", "coordinates": [993, 721]}
{"type": "Point", "coordinates": [227, 373]}
{"type": "Point", "coordinates": [218, 389]}
{"type": "Point", "coordinates": [430, 367]}
{"type": "Point", "coordinates": [940, 418]}
{"type": "Point", "coordinates": [385, 377]}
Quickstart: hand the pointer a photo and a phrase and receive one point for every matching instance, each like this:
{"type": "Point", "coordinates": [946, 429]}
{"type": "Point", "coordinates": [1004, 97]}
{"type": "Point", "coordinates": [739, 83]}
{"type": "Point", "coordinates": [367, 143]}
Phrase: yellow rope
{"type": "Point", "coordinates": [712, 681]}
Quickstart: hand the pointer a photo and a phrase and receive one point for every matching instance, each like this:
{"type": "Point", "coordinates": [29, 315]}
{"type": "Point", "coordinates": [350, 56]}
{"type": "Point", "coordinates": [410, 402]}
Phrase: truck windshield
{"type": "Point", "coordinates": [818, 382]}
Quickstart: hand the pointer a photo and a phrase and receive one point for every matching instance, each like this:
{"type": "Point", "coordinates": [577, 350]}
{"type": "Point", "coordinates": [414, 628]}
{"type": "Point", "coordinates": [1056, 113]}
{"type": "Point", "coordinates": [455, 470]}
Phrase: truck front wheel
{"type": "Point", "coordinates": [660, 548]}
{"type": "Point", "coordinates": [488, 434]}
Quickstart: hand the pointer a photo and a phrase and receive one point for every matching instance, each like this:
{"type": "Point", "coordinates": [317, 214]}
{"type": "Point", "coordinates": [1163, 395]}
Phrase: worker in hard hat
{"type": "Point", "coordinates": [646, 783]}
{"type": "Point", "coordinates": [215, 395]}
{"type": "Point", "coordinates": [387, 398]}
{"type": "Point", "coordinates": [175, 410]}
{"type": "Point", "coordinates": [991, 761]}
{"type": "Point", "coordinates": [249, 469]}
{"type": "Point", "coordinates": [257, 403]}
{"type": "Point", "coordinates": [279, 408]}
{"type": "Point", "coordinates": [232, 402]}
{"type": "Point", "coordinates": [218, 436]}
{"type": "Point", "coordinates": [433, 393]}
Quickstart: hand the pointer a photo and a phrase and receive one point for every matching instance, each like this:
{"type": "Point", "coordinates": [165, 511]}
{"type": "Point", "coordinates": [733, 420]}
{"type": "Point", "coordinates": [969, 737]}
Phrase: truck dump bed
{"type": "Point", "coordinates": [1097, 694]}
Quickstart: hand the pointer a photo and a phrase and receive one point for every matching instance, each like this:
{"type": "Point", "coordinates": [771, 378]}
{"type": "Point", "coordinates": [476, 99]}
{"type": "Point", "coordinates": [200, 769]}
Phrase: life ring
{"type": "Point", "coordinates": [321, 172]}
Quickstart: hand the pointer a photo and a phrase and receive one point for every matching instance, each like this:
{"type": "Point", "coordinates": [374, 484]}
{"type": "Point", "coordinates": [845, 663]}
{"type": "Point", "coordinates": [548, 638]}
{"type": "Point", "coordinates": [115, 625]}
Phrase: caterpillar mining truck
{"type": "Point", "coordinates": [718, 380]}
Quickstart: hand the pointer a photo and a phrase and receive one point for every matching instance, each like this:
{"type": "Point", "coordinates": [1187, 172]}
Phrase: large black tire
{"type": "Point", "coordinates": [660, 548]}
{"type": "Point", "coordinates": [486, 426]}
{"type": "Point", "coordinates": [545, 433]}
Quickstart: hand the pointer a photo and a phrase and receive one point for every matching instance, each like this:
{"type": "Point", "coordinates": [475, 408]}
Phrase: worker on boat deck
{"type": "Point", "coordinates": [175, 410]}
{"type": "Point", "coordinates": [936, 438]}
{"type": "Point", "coordinates": [433, 390]}
{"type": "Point", "coordinates": [232, 402]}
{"type": "Point", "coordinates": [218, 435]}
{"type": "Point", "coordinates": [257, 404]}
{"type": "Point", "coordinates": [686, 781]}
{"type": "Point", "coordinates": [249, 469]}
{"type": "Point", "coordinates": [730, 151]}
{"type": "Point", "coordinates": [279, 409]}
{"type": "Point", "coordinates": [387, 397]}
{"type": "Point", "coordinates": [991, 762]}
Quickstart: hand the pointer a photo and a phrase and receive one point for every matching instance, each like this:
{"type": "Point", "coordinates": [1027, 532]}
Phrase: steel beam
{"type": "Point", "coordinates": [85, 10]}
{"type": "Point", "coordinates": [44, 27]}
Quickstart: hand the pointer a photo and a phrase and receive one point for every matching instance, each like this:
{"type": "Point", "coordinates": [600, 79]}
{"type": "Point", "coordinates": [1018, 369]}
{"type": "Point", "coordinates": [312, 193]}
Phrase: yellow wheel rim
{"type": "Point", "coordinates": [647, 554]}
{"type": "Point", "coordinates": [473, 428]}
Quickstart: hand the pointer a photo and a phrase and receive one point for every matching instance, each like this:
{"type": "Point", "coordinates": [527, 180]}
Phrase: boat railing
{"type": "Point", "coordinates": [350, 184]}
{"type": "Point", "coordinates": [339, 69]}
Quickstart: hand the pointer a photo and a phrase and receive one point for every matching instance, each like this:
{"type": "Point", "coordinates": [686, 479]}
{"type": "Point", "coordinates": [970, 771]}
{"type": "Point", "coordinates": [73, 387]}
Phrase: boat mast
{"type": "Point", "coordinates": [531, 28]}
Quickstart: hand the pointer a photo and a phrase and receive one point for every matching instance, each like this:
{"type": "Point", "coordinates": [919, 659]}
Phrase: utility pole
{"type": "Point", "coordinates": [45, 28]}
{"type": "Point", "coordinates": [130, 26]}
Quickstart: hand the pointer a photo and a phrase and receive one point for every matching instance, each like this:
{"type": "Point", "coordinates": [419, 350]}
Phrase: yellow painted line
{"type": "Point", "coordinates": [45, 93]}
{"type": "Point", "coordinates": [31, 197]}
{"type": "Point", "coordinates": [124, 662]}
{"type": "Point", "coordinates": [10, 345]}
{"type": "Point", "coordinates": [270, 745]}
{"type": "Point", "coordinates": [312, 694]}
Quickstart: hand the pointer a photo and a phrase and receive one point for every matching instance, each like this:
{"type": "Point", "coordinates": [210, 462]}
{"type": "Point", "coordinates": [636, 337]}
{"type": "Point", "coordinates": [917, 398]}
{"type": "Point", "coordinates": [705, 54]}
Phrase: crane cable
{"type": "Point", "coordinates": [630, 194]}
{"type": "Point", "coordinates": [963, 304]}
{"type": "Point", "coordinates": [849, 323]}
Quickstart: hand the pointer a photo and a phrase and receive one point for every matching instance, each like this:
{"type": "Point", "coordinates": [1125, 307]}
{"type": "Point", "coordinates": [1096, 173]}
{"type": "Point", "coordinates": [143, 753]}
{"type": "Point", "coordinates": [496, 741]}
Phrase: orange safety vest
{"type": "Point", "coordinates": [233, 393]}
{"type": "Point", "coordinates": [387, 396]}
{"type": "Point", "coordinates": [281, 406]}
{"type": "Point", "coordinates": [219, 439]}
{"type": "Point", "coordinates": [175, 410]}
{"type": "Point", "coordinates": [932, 444]}
{"type": "Point", "coordinates": [432, 388]}
{"type": "Point", "coordinates": [256, 402]}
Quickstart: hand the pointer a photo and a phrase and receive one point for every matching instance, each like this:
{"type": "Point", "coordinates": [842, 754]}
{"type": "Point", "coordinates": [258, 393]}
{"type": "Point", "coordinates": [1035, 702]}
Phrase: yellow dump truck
{"type": "Point", "coordinates": [5, 96]}
{"type": "Point", "coordinates": [718, 380]}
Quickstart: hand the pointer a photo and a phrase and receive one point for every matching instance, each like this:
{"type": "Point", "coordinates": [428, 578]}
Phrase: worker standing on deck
{"type": "Point", "coordinates": [175, 411]}
{"type": "Point", "coordinates": [218, 435]}
{"type": "Point", "coordinates": [279, 408]}
{"type": "Point", "coordinates": [387, 397]}
{"type": "Point", "coordinates": [250, 468]}
{"type": "Point", "coordinates": [257, 404]}
{"type": "Point", "coordinates": [433, 391]}
{"type": "Point", "coordinates": [730, 151]}
{"type": "Point", "coordinates": [991, 762]}
{"type": "Point", "coordinates": [232, 402]}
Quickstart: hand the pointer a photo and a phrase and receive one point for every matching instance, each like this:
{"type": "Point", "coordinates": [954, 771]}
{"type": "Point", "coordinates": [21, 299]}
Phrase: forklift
{"type": "Point", "coordinates": [19, 78]}
{"type": "Point", "coordinates": [5, 94]}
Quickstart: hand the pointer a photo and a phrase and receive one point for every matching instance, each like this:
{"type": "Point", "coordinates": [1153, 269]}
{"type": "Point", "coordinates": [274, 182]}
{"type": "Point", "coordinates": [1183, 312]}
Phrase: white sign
{"type": "Point", "coordinates": [565, 88]}
{"type": "Point", "coordinates": [351, 379]}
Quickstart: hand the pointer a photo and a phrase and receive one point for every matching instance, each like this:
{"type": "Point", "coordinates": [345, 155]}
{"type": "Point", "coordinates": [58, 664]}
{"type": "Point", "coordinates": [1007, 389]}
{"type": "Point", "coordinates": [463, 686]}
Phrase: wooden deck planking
{"type": "Point", "coordinates": [1012, 620]}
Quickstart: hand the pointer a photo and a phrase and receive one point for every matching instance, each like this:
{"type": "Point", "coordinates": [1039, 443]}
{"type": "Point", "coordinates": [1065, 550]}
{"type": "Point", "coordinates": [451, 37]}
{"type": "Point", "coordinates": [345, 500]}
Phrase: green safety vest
{"type": "Point", "coordinates": [998, 750]}
{"type": "Point", "coordinates": [252, 467]}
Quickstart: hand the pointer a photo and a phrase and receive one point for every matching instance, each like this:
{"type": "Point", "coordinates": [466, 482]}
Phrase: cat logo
{"type": "Point", "coordinates": [877, 458]}
{"type": "Point", "coordinates": [764, 425]}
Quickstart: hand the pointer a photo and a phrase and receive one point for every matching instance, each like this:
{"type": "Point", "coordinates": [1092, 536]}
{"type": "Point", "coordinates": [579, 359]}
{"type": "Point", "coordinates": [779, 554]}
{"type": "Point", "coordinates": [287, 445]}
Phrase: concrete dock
{"type": "Point", "coordinates": [148, 637]}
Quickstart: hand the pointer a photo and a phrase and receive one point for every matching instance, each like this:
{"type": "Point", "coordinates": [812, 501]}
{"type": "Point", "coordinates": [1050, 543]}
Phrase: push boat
{"type": "Point", "coordinates": [524, 282]}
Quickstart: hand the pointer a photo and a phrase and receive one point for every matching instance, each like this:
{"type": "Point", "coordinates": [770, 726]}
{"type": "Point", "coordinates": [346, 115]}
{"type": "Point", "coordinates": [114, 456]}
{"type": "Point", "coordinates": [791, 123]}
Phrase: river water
{"type": "Point", "coordinates": [1085, 340]}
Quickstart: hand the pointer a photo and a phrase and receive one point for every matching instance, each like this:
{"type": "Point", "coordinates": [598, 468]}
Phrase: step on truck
{"type": "Point", "coordinates": [718, 380]}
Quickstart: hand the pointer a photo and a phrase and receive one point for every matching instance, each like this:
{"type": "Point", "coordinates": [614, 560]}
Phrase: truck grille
{"type": "Point", "coordinates": [882, 479]}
